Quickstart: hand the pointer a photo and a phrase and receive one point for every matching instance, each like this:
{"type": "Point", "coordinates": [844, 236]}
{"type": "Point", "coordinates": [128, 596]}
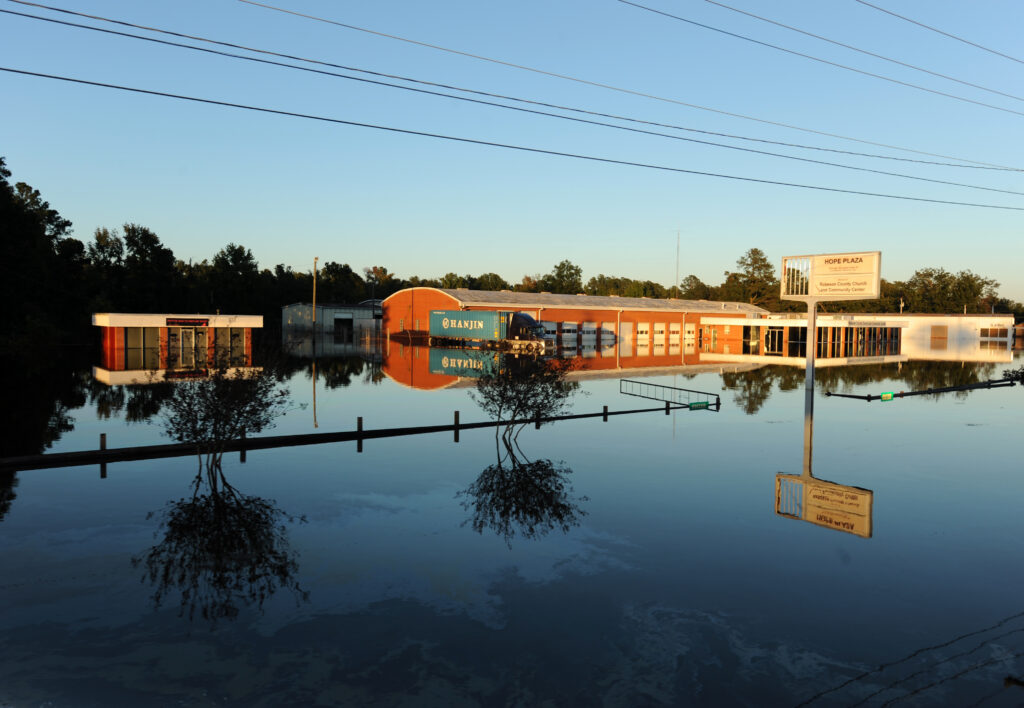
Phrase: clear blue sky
{"type": "Point", "coordinates": [202, 176]}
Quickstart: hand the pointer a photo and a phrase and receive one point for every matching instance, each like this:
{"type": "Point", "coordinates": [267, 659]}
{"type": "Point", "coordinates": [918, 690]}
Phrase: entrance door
{"type": "Point", "coordinates": [773, 341]}
{"type": "Point", "coordinates": [188, 348]}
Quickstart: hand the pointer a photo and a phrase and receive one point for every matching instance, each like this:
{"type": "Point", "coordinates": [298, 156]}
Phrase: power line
{"type": "Point", "coordinates": [911, 655]}
{"type": "Point", "coordinates": [817, 59]}
{"type": "Point", "coordinates": [506, 146]}
{"type": "Point", "coordinates": [865, 51]}
{"type": "Point", "coordinates": [976, 166]}
{"type": "Point", "coordinates": [513, 108]}
{"type": "Point", "coordinates": [945, 34]}
{"type": "Point", "coordinates": [609, 86]}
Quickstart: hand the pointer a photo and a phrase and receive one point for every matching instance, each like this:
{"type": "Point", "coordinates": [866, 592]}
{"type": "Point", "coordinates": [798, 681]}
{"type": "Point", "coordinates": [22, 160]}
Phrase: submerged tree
{"type": "Point", "coordinates": [221, 549]}
{"type": "Point", "coordinates": [226, 406]}
{"type": "Point", "coordinates": [525, 389]}
{"type": "Point", "coordinates": [517, 495]}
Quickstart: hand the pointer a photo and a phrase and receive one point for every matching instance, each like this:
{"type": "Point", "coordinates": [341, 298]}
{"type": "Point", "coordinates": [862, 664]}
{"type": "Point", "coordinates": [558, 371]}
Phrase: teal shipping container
{"type": "Point", "coordinates": [482, 325]}
{"type": "Point", "coordinates": [467, 363]}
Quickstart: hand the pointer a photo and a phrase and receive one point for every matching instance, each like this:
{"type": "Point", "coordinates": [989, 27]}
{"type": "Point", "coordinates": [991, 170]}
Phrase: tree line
{"type": "Point", "coordinates": [52, 281]}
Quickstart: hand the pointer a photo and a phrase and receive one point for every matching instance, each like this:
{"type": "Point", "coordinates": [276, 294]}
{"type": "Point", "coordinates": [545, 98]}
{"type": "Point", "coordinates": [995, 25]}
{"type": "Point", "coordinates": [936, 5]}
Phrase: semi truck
{"type": "Point", "coordinates": [486, 329]}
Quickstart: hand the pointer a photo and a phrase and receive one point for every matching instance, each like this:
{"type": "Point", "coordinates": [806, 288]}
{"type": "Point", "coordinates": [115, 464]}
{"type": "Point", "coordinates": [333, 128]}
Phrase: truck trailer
{"type": "Point", "coordinates": [488, 329]}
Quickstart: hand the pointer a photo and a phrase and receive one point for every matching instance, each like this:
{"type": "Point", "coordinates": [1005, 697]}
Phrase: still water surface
{"type": "Point", "coordinates": [654, 570]}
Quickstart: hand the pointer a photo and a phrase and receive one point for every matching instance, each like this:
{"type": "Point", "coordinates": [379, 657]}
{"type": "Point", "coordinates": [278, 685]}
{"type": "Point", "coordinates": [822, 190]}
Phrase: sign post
{"type": "Point", "coordinates": [824, 278]}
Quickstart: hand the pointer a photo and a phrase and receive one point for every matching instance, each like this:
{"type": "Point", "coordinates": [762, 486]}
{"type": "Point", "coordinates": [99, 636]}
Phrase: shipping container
{"type": "Point", "coordinates": [480, 325]}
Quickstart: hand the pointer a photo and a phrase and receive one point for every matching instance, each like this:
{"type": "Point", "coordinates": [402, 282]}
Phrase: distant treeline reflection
{"type": "Point", "coordinates": [751, 389]}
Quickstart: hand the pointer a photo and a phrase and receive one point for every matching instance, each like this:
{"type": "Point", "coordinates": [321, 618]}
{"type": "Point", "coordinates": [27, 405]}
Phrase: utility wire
{"type": "Point", "coordinates": [977, 166]}
{"type": "Point", "coordinates": [609, 86]}
{"type": "Point", "coordinates": [865, 51]}
{"type": "Point", "coordinates": [910, 656]}
{"type": "Point", "coordinates": [945, 34]}
{"type": "Point", "coordinates": [968, 652]}
{"type": "Point", "coordinates": [513, 108]}
{"type": "Point", "coordinates": [506, 146]}
{"type": "Point", "coordinates": [817, 59]}
{"type": "Point", "coordinates": [964, 672]}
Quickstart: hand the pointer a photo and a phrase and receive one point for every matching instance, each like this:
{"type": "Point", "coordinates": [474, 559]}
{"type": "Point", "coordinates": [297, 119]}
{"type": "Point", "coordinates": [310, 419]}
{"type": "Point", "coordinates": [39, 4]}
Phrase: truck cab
{"type": "Point", "coordinates": [523, 327]}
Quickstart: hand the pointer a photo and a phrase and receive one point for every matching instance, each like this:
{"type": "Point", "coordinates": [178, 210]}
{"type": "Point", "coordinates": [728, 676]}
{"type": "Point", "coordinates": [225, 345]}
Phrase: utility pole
{"type": "Point", "coordinates": [676, 284]}
{"type": "Point", "coordinates": [315, 259]}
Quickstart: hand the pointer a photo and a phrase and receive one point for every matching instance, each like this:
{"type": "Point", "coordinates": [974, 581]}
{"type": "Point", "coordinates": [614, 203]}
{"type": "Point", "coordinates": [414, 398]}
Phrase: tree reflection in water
{"type": "Point", "coordinates": [221, 549]}
{"type": "Point", "coordinates": [517, 495]}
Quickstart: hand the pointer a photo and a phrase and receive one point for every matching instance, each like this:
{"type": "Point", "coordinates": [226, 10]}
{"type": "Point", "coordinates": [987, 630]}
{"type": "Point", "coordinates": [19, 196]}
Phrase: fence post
{"type": "Point", "coordinates": [456, 426]}
{"type": "Point", "coordinates": [604, 415]}
{"type": "Point", "coordinates": [103, 446]}
{"type": "Point", "coordinates": [666, 407]}
{"type": "Point", "coordinates": [359, 429]}
{"type": "Point", "coordinates": [536, 421]}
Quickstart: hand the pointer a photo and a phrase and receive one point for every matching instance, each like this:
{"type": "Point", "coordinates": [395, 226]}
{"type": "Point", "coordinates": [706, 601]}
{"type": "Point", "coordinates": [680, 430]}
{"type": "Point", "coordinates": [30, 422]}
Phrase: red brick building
{"type": "Point", "coordinates": [605, 328]}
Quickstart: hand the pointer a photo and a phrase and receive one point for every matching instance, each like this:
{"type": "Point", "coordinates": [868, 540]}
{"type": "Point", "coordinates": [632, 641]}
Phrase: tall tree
{"type": "Point", "coordinates": [693, 288]}
{"type": "Point", "coordinates": [565, 278]}
{"type": "Point", "coordinates": [491, 281]}
{"type": "Point", "coordinates": [755, 282]}
{"type": "Point", "coordinates": [150, 274]}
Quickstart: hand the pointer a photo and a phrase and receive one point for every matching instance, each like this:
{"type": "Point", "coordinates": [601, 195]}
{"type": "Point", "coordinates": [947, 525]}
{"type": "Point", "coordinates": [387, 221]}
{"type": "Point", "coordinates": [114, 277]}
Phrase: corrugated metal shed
{"type": "Point", "coordinates": [517, 300]}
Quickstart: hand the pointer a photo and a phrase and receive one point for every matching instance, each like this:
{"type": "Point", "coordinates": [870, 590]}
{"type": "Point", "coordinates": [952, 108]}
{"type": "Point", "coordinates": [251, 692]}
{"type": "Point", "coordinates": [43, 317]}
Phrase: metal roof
{"type": "Point", "coordinates": [508, 298]}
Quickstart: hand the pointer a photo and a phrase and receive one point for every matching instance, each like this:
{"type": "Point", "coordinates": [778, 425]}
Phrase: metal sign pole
{"type": "Point", "coordinates": [812, 350]}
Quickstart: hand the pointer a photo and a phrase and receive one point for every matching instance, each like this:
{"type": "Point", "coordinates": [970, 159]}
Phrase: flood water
{"type": "Point", "coordinates": [641, 561]}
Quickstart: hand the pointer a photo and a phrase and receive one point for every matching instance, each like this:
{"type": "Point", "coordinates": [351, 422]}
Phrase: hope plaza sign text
{"type": "Point", "coordinates": [834, 276]}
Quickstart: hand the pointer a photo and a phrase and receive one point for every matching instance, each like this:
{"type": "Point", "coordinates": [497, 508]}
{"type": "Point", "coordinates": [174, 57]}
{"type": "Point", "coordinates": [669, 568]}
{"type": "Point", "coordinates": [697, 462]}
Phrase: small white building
{"type": "Point", "coordinates": [346, 324]}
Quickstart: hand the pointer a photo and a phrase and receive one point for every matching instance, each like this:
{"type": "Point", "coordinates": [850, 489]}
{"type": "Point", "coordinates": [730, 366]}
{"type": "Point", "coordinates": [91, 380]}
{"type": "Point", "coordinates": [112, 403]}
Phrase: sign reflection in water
{"type": "Point", "coordinates": [834, 506]}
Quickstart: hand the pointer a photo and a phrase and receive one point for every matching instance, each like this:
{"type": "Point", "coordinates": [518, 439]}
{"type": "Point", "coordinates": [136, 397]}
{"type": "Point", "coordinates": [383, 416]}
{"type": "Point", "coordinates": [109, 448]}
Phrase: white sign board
{"type": "Point", "coordinates": [833, 276]}
{"type": "Point", "coordinates": [835, 506]}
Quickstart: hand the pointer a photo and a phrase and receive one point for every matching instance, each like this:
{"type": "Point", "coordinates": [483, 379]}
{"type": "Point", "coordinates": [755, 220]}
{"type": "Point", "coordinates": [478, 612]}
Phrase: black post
{"type": "Point", "coordinates": [103, 446]}
{"type": "Point", "coordinates": [604, 415]}
{"type": "Point", "coordinates": [536, 421]}
{"type": "Point", "coordinates": [359, 428]}
{"type": "Point", "coordinates": [456, 426]}
{"type": "Point", "coordinates": [666, 407]}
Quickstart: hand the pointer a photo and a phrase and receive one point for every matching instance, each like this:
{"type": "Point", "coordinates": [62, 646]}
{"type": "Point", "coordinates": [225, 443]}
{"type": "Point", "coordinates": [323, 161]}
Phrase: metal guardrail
{"type": "Point", "coordinates": [685, 397]}
{"type": "Point", "coordinates": [992, 383]}
{"type": "Point", "coordinates": [104, 456]}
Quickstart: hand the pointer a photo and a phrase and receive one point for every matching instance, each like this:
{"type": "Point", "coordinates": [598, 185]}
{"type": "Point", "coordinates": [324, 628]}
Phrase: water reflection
{"type": "Point", "coordinates": [221, 549]}
{"type": "Point", "coordinates": [835, 506]}
{"type": "Point", "coordinates": [516, 495]}
{"type": "Point", "coordinates": [519, 496]}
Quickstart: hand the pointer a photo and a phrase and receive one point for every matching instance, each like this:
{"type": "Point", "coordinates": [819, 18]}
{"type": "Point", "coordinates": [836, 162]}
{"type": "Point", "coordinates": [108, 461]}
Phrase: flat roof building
{"type": "Point", "coordinates": [172, 344]}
